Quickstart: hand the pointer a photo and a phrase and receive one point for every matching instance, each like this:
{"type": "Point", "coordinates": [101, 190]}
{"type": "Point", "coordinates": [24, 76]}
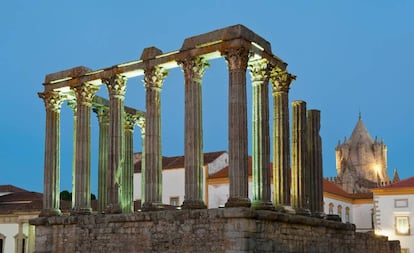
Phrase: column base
{"type": "Point", "coordinates": [262, 205]}
{"type": "Point", "coordinates": [238, 202]}
{"type": "Point", "coordinates": [333, 217]}
{"type": "Point", "coordinates": [81, 211]}
{"type": "Point", "coordinates": [113, 209]}
{"type": "Point", "coordinates": [50, 212]}
{"type": "Point", "coordinates": [303, 211]}
{"type": "Point", "coordinates": [193, 204]}
{"type": "Point", "coordinates": [285, 209]}
{"type": "Point", "coordinates": [152, 206]}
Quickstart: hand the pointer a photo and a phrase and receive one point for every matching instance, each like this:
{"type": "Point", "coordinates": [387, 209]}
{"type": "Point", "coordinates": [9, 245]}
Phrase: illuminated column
{"type": "Point", "coordinates": [238, 164]}
{"type": "Point", "coordinates": [116, 151]}
{"type": "Point", "coordinates": [193, 157]}
{"type": "Point", "coordinates": [84, 96]}
{"type": "Point", "coordinates": [314, 161]}
{"type": "Point", "coordinates": [298, 194]}
{"type": "Point", "coordinates": [127, 197]}
{"type": "Point", "coordinates": [153, 80]}
{"type": "Point", "coordinates": [281, 81]}
{"type": "Point", "coordinates": [72, 105]}
{"type": "Point", "coordinates": [259, 73]}
{"type": "Point", "coordinates": [53, 101]}
{"type": "Point", "coordinates": [141, 124]}
{"type": "Point", "coordinates": [103, 117]}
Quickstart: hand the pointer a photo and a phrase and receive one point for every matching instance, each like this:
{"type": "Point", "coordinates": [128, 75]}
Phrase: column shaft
{"type": "Point", "coordinates": [141, 124]}
{"type": "Point", "coordinates": [238, 157]}
{"type": "Point", "coordinates": [299, 196]}
{"type": "Point", "coordinates": [103, 118]}
{"type": "Point", "coordinates": [281, 81]}
{"type": "Point", "coordinates": [53, 101]}
{"type": "Point", "coordinates": [260, 139]}
{"type": "Point", "coordinates": [314, 161]}
{"type": "Point", "coordinates": [193, 143]}
{"type": "Point", "coordinates": [153, 156]}
{"type": "Point", "coordinates": [84, 95]}
{"type": "Point", "coordinates": [127, 202]}
{"type": "Point", "coordinates": [72, 105]}
{"type": "Point", "coordinates": [116, 150]}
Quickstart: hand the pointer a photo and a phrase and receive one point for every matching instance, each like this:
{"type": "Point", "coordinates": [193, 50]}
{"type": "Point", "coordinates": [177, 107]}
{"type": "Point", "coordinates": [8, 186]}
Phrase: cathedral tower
{"type": "Point", "coordinates": [361, 162]}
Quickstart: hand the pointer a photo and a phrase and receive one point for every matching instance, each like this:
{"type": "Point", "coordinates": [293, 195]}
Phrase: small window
{"type": "Point", "coordinates": [331, 207]}
{"type": "Point", "coordinates": [400, 203]}
{"type": "Point", "coordinates": [2, 242]}
{"type": "Point", "coordinates": [175, 201]}
{"type": "Point", "coordinates": [402, 225]}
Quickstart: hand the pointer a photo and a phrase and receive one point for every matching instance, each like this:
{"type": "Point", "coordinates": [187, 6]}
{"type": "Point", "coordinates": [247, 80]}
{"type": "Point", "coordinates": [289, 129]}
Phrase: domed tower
{"type": "Point", "coordinates": [361, 162]}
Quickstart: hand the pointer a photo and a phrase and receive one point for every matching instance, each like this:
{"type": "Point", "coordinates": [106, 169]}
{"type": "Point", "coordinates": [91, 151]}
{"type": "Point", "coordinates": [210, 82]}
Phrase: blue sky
{"type": "Point", "coordinates": [349, 56]}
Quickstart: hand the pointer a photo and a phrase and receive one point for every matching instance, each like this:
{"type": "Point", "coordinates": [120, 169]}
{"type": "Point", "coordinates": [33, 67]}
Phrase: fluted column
{"type": "Point", "coordinates": [84, 96]}
{"type": "Point", "coordinates": [116, 150]}
{"type": "Point", "coordinates": [153, 80]}
{"type": "Point", "coordinates": [127, 201]}
{"type": "Point", "coordinates": [72, 105]}
{"type": "Point", "coordinates": [281, 81]}
{"type": "Point", "coordinates": [53, 101]}
{"type": "Point", "coordinates": [193, 144]}
{"type": "Point", "coordinates": [259, 73]}
{"type": "Point", "coordinates": [299, 196]}
{"type": "Point", "coordinates": [141, 124]}
{"type": "Point", "coordinates": [238, 157]}
{"type": "Point", "coordinates": [103, 117]}
{"type": "Point", "coordinates": [314, 161]}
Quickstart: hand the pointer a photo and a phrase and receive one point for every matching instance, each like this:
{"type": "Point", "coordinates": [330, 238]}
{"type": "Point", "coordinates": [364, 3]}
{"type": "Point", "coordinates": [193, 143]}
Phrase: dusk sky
{"type": "Point", "coordinates": [349, 57]}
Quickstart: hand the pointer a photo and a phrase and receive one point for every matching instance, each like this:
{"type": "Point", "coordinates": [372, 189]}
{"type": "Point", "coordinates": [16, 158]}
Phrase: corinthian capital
{"type": "Point", "coordinates": [102, 113]}
{"type": "Point", "coordinates": [53, 99]}
{"type": "Point", "coordinates": [236, 58]}
{"type": "Point", "coordinates": [281, 79]}
{"type": "Point", "coordinates": [194, 68]}
{"type": "Point", "coordinates": [259, 71]}
{"type": "Point", "coordinates": [116, 85]}
{"type": "Point", "coordinates": [130, 121]}
{"type": "Point", "coordinates": [85, 93]}
{"type": "Point", "coordinates": [154, 77]}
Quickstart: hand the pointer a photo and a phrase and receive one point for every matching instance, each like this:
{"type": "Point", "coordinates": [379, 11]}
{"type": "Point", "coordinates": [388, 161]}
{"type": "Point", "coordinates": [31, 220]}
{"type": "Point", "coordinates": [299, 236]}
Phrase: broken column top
{"type": "Point", "coordinates": [69, 73]}
{"type": "Point", "coordinates": [225, 34]}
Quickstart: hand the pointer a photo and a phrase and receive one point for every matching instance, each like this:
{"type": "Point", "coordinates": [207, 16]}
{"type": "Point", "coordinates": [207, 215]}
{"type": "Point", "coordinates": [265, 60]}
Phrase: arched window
{"type": "Point", "coordinates": [347, 211]}
{"type": "Point", "coordinates": [2, 242]}
{"type": "Point", "coordinates": [21, 243]}
{"type": "Point", "coordinates": [340, 211]}
{"type": "Point", "coordinates": [331, 207]}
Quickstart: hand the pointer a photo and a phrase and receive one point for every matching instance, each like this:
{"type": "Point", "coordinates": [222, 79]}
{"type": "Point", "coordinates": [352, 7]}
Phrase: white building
{"type": "Point", "coordinates": [394, 212]}
{"type": "Point", "coordinates": [17, 207]}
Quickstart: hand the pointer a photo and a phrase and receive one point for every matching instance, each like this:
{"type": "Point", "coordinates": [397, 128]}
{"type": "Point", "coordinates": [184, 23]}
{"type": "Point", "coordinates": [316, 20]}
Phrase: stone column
{"type": "Point", "coordinates": [314, 161]}
{"type": "Point", "coordinates": [193, 143]}
{"type": "Point", "coordinates": [103, 117]}
{"type": "Point", "coordinates": [141, 124]}
{"type": "Point", "coordinates": [281, 81]}
{"type": "Point", "coordinates": [153, 80]}
{"type": "Point", "coordinates": [237, 59]}
{"type": "Point", "coordinates": [53, 101]}
{"type": "Point", "coordinates": [84, 96]}
{"type": "Point", "coordinates": [127, 201]}
{"type": "Point", "coordinates": [72, 105]}
{"type": "Point", "coordinates": [298, 194]}
{"type": "Point", "coordinates": [116, 150]}
{"type": "Point", "coordinates": [259, 73]}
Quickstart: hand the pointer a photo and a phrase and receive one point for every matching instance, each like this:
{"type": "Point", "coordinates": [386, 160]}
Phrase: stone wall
{"type": "Point", "coordinates": [212, 230]}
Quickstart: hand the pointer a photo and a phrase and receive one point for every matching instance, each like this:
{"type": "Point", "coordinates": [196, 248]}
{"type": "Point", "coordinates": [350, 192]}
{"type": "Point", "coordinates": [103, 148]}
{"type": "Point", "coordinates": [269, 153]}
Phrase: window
{"type": "Point", "coordinates": [402, 225]}
{"type": "Point", "coordinates": [331, 207]}
{"type": "Point", "coordinates": [2, 242]}
{"type": "Point", "coordinates": [175, 201]}
{"type": "Point", "coordinates": [340, 211]}
{"type": "Point", "coordinates": [399, 203]}
{"type": "Point", "coordinates": [347, 211]}
{"type": "Point", "coordinates": [21, 241]}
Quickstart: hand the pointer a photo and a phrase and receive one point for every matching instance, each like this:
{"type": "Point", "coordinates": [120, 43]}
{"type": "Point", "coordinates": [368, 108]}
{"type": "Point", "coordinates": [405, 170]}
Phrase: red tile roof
{"type": "Point", "coordinates": [406, 183]}
{"type": "Point", "coordinates": [224, 173]}
{"type": "Point", "coordinates": [10, 188]}
{"type": "Point", "coordinates": [335, 189]}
